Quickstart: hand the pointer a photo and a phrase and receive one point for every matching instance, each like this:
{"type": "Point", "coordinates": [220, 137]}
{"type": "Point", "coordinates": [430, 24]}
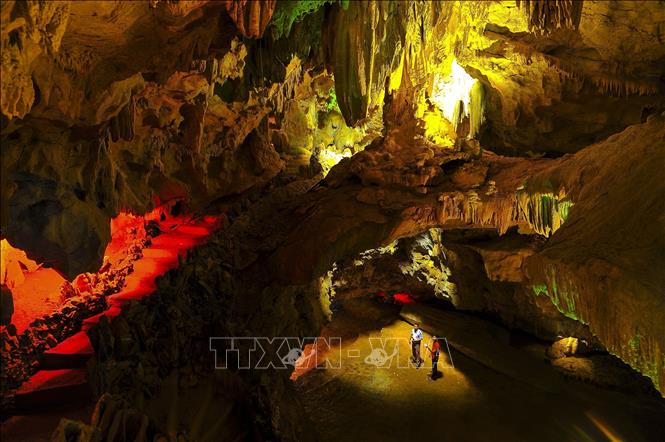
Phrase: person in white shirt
{"type": "Point", "coordinates": [416, 337]}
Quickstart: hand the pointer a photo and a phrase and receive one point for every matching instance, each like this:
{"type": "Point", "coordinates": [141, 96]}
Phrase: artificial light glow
{"type": "Point", "coordinates": [14, 264]}
{"type": "Point", "coordinates": [447, 93]}
{"type": "Point", "coordinates": [437, 128]}
{"type": "Point", "coordinates": [35, 289]}
{"type": "Point", "coordinates": [403, 298]}
{"type": "Point", "coordinates": [328, 158]}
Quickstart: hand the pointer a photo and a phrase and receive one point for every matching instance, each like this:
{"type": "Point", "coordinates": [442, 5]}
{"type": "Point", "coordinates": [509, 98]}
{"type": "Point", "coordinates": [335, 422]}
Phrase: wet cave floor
{"type": "Point", "coordinates": [471, 401]}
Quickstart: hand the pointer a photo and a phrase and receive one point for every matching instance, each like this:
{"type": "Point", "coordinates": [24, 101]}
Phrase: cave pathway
{"type": "Point", "coordinates": [494, 390]}
{"type": "Point", "coordinates": [62, 375]}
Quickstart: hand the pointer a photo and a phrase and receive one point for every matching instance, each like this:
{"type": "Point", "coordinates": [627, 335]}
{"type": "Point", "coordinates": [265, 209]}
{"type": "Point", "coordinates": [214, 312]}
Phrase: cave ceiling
{"type": "Point", "coordinates": [460, 114]}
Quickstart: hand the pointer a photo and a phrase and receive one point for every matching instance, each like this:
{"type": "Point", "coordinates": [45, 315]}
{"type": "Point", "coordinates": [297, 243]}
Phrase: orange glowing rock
{"type": "Point", "coordinates": [15, 264]}
{"type": "Point", "coordinates": [35, 289]}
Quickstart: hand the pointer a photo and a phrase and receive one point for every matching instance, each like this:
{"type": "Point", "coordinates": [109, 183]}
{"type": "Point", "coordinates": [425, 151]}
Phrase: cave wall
{"type": "Point", "coordinates": [550, 87]}
{"type": "Point", "coordinates": [358, 207]}
{"type": "Point", "coordinates": [116, 105]}
{"type": "Point", "coordinates": [95, 129]}
{"type": "Point", "coordinates": [603, 267]}
{"type": "Point", "coordinates": [574, 85]}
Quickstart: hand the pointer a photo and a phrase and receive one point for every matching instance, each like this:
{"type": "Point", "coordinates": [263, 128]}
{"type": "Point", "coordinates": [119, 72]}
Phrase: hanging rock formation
{"type": "Point", "coordinates": [547, 16]}
{"type": "Point", "coordinates": [365, 48]}
{"type": "Point", "coordinates": [30, 29]}
{"type": "Point", "coordinates": [513, 149]}
{"type": "Point", "coordinates": [251, 16]}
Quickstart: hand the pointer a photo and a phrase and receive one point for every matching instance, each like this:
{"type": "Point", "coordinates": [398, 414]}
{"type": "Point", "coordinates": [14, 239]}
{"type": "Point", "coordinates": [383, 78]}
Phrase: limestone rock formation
{"type": "Point", "coordinates": [124, 143]}
{"type": "Point", "coordinates": [601, 267]}
{"type": "Point", "coordinates": [366, 46]}
{"type": "Point", "coordinates": [502, 158]}
{"type": "Point", "coordinates": [29, 30]}
{"type": "Point", "coordinates": [343, 217]}
{"type": "Point", "coordinates": [251, 17]}
{"type": "Point", "coordinates": [546, 92]}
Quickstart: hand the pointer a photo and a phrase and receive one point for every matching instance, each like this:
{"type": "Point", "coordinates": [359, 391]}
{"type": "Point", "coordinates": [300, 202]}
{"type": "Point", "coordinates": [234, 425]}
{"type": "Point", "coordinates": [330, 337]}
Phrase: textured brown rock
{"type": "Point", "coordinates": [603, 267]}
{"type": "Point", "coordinates": [85, 73]}
{"type": "Point", "coordinates": [115, 105]}
{"type": "Point", "coordinates": [574, 85]}
{"type": "Point", "coordinates": [82, 176]}
{"type": "Point", "coordinates": [566, 347]}
{"type": "Point", "coordinates": [366, 47]}
{"type": "Point", "coordinates": [69, 430]}
{"type": "Point", "coordinates": [251, 16]}
{"type": "Point", "coordinates": [30, 29]}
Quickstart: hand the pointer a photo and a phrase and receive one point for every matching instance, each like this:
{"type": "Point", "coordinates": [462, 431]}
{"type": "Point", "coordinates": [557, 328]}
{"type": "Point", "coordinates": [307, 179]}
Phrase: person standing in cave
{"type": "Point", "coordinates": [434, 355]}
{"type": "Point", "coordinates": [416, 337]}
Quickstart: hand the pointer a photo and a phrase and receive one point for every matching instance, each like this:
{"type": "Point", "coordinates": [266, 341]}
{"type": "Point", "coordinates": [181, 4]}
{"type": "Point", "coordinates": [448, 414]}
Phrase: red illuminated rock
{"type": "Point", "coordinates": [537, 217]}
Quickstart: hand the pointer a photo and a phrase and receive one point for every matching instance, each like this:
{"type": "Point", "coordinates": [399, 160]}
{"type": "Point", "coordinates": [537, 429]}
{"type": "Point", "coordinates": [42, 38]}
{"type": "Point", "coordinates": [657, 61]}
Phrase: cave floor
{"type": "Point", "coordinates": [472, 401]}
{"type": "Point", "coordinates": [39, 427]}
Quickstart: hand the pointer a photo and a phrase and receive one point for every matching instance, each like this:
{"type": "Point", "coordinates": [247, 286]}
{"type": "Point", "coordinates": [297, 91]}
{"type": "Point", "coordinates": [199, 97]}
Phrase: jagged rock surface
{"type": "Point", "coordinates": [604, 266]}
{"type": "Point", "coordinates": [112, 105]}
{"type": "Point", "coordinates": [148, 129]}
{"type": "Point", "coordinates": [357, 207]}
{"type": "Point", "coordinates": [251, 16]}
{"type": "Point", "coordinates": [366, 46]}
{"type": "Point", "coordinates": [556, 76]}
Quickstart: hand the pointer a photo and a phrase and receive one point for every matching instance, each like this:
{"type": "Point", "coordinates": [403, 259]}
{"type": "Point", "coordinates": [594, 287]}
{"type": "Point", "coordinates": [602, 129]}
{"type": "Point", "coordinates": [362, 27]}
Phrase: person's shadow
{"type": "Point", "coordinates": [436, 376]}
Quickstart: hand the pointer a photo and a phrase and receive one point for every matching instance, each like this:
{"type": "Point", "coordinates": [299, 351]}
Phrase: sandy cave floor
{"type": "Point", "coordinates": [360, 401]}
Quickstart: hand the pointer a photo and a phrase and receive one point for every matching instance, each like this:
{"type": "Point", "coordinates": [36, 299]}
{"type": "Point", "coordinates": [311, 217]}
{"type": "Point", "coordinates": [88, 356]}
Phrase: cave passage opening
{"type": "Point", "coordinates": [500, 365]}
{"type": "Point", "coordinates": [469, 166]}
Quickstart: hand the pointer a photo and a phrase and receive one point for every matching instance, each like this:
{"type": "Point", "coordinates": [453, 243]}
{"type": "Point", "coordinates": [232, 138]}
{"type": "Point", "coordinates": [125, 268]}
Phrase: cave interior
{"type": "Point", "coordinates": [230, 219]}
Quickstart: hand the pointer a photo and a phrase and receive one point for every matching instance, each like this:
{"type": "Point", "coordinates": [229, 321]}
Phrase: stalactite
{"type": "Point", "coordinates": [544, 213]}
{"type": "Point", "coordinates": [621, 87]}
{"type": "Point", "coordinates": [251, 17]}
{"type": "Point", "coordinates": [476, 109]}
{"type": "Point", "coordinates": [545, 15]}
{"type": "Point", "coordinates": [373, 32]}
{"type": "Point", "coordinates": [122, 125]}
{"type": "Point", "coordinates": [613, 80]}
{"type": "Point", "coordinates": [285, 91]}
{"type": "Point", "coordinates": [458, 114]}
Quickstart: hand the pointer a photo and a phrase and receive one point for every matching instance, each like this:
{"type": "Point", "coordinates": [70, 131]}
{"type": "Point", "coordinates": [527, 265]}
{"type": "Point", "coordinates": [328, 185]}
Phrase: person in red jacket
{"type": "Point", "coordinates": [434, 355]}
